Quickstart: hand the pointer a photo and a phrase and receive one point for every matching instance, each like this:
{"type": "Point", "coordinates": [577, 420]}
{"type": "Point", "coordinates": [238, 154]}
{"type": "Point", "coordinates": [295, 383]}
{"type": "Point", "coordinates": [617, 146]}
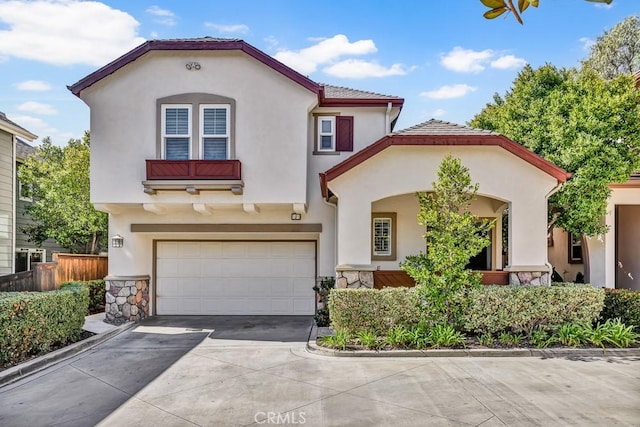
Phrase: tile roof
{"type": "Point", "coordinates": [331, 91]}
{"type": "Point", "coordinates": [441, 127]}
{"type": "Point", "coordinates": [24, 150]}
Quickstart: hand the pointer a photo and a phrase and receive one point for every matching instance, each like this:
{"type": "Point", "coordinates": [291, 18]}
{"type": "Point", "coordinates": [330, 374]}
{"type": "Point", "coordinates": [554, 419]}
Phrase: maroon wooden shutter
{"type": "Point", "coordinates": [344, 133]}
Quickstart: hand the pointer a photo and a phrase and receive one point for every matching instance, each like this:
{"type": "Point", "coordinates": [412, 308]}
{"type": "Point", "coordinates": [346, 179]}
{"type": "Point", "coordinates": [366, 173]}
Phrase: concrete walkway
{"type": "Point", "coordinates": [238, 371]}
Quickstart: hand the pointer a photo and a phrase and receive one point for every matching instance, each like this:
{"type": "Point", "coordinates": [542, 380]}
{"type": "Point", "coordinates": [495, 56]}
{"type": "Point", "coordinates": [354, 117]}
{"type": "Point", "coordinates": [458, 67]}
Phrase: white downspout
{"type": "Point", "coordinates": [14, 177]}
{"type": "Point", "coordinates": [387, 119]}
{"type": "Point", "coordinates": [335, 234]}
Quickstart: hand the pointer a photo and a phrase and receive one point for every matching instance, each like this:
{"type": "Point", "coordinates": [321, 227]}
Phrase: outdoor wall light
{"type": "Point", "coordinates": [192, 66]}
{"type": "Point", "coordinates": [296, 216]}
{"type": "Point", "coordinates": [117, 241]}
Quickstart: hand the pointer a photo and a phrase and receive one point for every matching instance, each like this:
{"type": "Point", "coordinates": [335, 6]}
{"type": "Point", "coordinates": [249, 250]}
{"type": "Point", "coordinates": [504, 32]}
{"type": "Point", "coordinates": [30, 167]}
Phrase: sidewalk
{"type": "Point", "coordinates": [95, 323]}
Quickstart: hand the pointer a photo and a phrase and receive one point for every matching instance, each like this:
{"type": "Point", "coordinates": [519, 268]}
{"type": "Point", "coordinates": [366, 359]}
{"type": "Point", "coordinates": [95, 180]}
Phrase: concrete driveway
{"type": "Point", "coordinates": [221, 370]}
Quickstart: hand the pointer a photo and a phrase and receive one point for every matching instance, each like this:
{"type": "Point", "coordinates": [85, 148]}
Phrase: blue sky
{"type": "Point", "coordinates": [444, 58]}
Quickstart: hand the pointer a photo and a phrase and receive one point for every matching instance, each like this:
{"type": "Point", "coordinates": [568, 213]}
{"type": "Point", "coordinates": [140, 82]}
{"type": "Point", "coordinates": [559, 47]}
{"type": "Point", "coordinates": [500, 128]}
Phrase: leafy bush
{"type": "Point", "coordinates": [445, 336]}
{"type": "Point", "coordinates": [31, 323]}
{"type": "Point", "coordinates": [623, 304]}
{"type": "Point", "coordinates": [495, 309]}
{"type": "Point", "coordinates": [375, 310]}
{"type": "Point", "coordinates": [486, 340]}
{"type": "Point", "coordinates": [369, 339]}
{"type": "Point", "coordinates": [572, 334]}
{"type": "Point", "coordinates": [398, 336]}
{"type": "Point", "coordinates": [618, 334]}
{"type": "Point", "coordinates": [339, 341]}
{"type": "Point", "coordinates": [96, 289]}
{"type": "Point", "coordinates": [509, 339]}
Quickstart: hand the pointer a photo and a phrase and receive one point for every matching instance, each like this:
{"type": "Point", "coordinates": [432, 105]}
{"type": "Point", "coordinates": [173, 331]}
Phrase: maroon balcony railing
{"type": "Point", "coordinates": [194, 169]}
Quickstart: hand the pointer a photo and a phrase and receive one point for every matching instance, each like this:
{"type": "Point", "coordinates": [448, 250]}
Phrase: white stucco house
{"type": "Point", "coordinates": [236, 182]}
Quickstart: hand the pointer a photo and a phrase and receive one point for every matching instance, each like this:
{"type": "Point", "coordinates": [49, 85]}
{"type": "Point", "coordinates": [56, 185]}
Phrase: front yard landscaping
{"type": "Point", "coordinates": [35, 323]}
{"type": "Point", "coordinates": [562, 315]}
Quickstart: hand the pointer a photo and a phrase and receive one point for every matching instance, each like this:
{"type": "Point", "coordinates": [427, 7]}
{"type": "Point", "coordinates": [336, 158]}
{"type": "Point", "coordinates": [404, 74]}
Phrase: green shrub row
{"type": "Point", "coordinates": [622, 304]}
{"type": "Point", "coordinates": [96, 290]}
{"type": "Point", "coordinates": [355, 310]}
{"type": "Point", "coordinates": [518, 309]}
{"type": "Point", "coordinates": [491, 309]}
{"type": "Point", "coordinates": [31, 323]}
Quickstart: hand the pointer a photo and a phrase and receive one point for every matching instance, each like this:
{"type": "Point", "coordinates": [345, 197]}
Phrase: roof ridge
{"type": "Point", "coordinates": [437, 126]}
{"type": "Point", "coordinates": [357, 90]}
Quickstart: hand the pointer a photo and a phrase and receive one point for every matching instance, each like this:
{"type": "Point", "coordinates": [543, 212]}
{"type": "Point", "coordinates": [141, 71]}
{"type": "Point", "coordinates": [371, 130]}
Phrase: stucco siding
{"type": "Point", "coordinates": [559, 256]}
{"type": "Point", "coordinates": [270, 125]}
{"type": "Point", "coordinates": [6, 205]}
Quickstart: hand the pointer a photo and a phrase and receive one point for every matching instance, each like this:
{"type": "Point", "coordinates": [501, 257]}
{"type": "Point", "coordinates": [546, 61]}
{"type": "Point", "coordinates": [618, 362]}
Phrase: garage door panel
{"type": "Point", "coordinates": [211, 250]}
{"type": "Point", "coordinates": [301, 267]}
{"type": "Point", "coordinates": [189, 250]}
{"type": "Point", "coordinates": [235, 277]}
{"type": "Point", "coordinates": [167, 250]}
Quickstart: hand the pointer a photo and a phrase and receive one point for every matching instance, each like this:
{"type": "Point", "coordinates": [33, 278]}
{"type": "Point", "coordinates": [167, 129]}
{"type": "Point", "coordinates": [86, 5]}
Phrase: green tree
{"type": "Point", "coordinates": [585, 124]}
{"type": "Point", "coordinates": [617, 51]}
{"type": "Point", "coordinates": [453, 236]}
{"type": "Point", "coordinates": [498, 7]}
{"type": "Point", "coordinates": [61, 210]}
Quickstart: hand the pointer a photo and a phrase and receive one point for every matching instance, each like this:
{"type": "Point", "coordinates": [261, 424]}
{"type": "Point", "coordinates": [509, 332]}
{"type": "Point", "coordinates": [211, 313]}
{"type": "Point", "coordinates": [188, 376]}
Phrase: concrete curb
{"type": "Point", "coordinates": [30, 367]}
{"type": "Point", "coordinates": [544, 353]}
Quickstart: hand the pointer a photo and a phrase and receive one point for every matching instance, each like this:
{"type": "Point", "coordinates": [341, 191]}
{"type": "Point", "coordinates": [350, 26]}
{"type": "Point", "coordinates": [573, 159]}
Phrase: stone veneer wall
{"type": "Point", "coordinates": [127, 299]}
{"type": "Point", "coordinates": [354, 279]}
{"type": "Point", "coordinates": [529, 278]}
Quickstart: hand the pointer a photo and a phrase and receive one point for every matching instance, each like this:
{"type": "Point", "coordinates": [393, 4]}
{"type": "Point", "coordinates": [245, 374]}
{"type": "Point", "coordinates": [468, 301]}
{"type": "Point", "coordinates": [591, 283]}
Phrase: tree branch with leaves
{"type": "Point", "coordinates": [499, 7]}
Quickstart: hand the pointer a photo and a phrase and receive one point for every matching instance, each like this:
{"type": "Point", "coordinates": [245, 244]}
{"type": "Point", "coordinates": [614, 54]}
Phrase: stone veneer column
{"type": "Point", "coordinates": [354, 277]}
{"type": "Point", "coordinates": [529, 278]}
{"type": "Point", "coordinates": [127, 298]}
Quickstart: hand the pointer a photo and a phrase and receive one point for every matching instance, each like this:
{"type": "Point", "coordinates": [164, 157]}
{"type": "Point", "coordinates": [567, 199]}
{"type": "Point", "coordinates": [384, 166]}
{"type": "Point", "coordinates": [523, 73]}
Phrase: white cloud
{"type": "Point", "coordinates": [438, 112]}
{"type": "Point", "coordinates": [228, 28]}
{"type": "Point", "coordinates": [272, 42]}
{"type": "Point", "coordinates": [325, 51]}
{"type": "Point", "coordinates": [359, 69]}
{"type": "Point", "coordinates": [66, 32]}
{"type": "Point", "coordinates": [587, 43]}
{"type": "Point", "coordinates": [33, 85]}
{"type": "Point", "coordinates": [508, 61]}
{"type": "Point", "coordinates": [603, 5]}
{"type": "Point", "coordinates": [449, 91]}
{"type": "Point", "coordinates": [463, 60]}
{"type": "Point", "coordinates": [38, 108]}
{"type": "Point", "coordinates": [164, 16]}
{"type": "Point", "coordinates": [466, 60]}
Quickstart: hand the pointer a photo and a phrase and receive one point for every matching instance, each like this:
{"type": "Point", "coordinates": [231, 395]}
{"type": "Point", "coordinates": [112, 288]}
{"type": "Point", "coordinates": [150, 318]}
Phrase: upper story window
{"type": "Point", "coordinates": [195, 126]}
{"type": "Point", "coordinates": [176, 131]}
{"type": "Point", "coordinates": [326, 133]}
{"type": "Point", "coordinates": [334, 134]}
{"type": "Point", "coordinates": [214, 121]}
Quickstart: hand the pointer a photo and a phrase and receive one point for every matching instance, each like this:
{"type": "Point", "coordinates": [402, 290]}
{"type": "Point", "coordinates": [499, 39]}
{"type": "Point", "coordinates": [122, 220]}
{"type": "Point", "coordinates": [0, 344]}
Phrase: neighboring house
{"type": "Point", "coordinates": [233, 182]}
{"type": "Point", "coordinates": [9, 133]}
{"type": "Point", "coordinates": [26, 252]}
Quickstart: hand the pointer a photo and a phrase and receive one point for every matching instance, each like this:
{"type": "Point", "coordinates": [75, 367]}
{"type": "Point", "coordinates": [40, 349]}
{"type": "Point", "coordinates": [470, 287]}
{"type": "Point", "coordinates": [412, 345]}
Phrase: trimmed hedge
{"type": "Point", "coordinates": [31, 323]}
{"type": "Point", "coordinates": [518, 309]}
{"type": "Point", "coordinates": [623, 304]}
{"type": "Point", "coordinates": [492, 309]}
{"type": "Point", "coordinates": [357, 310]}
{"type": "Point", "coordinates": [96, 288]}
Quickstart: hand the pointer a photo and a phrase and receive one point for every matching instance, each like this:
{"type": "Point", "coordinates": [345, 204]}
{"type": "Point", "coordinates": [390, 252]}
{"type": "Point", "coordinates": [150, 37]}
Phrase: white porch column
{"type": "Point", "coordinates": [354, 230]}
{"type": "Point", "coordinates": [528, 241]}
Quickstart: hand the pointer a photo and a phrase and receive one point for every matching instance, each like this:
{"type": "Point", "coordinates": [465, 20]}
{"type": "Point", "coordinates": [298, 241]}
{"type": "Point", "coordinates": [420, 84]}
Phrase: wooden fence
{"type": "Point", "coordinates": [80, 267]}
{"type": "Point", "coordinates": [41, 278]}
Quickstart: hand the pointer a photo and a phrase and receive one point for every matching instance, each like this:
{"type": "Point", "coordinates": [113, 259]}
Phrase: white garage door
{"type": "Point", "coordinates": [235, 277]}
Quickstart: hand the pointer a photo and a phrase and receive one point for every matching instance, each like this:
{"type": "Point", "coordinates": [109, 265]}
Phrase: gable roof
{"type": "Point", "coordinates": [24, 150]}
{"type": "Point", "coordinates": [14, 128]}
{"type": "Point", "coordinates": [205, 43]}
{"type": "Point", "coordinates": [328, 95]}
{"type": "Point", "coordinates": [439, 133]}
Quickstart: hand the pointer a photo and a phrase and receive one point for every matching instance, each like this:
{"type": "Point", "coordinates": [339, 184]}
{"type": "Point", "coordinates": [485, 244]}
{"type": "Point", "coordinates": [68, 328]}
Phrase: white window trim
{"type": "Point", "coordinates": [332, 134]}
{"type": "Point", "coordinates": [31, 251]}
{"type": "Point", "coordinates": [390, 237]}
{"type": "Point", "coordinates": [164, 128]}
{"type": "Point", "coordinates": [20, 196]}
{"type": "Point", "coordinates": [227, 135]}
